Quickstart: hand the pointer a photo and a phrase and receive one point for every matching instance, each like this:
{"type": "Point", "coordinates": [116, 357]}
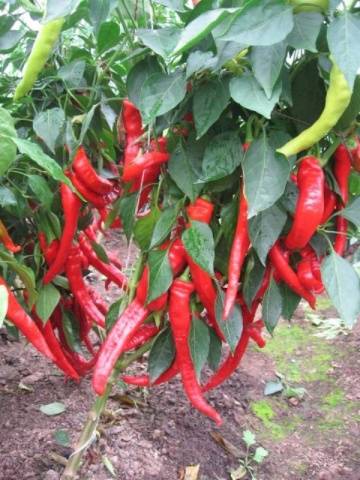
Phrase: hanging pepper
{"type": "Point", "coordinates": [143, 335]}
{"type": "Point", "coordinates": [71, 205]}
{"type": "Point", "coordinates": [329, 203]}
{"type": "Point", "coordinates": [49, 251]}
{"type": "Point", "coordinates": [110, 271]}
{"type": "Point", "coordinates": [287, 274]}
{"type": "Point", "coordinates": [144, 380]}
{"type": "Point", "coordinates": [135, 168]}
{"type": "Point", "coordinates": [6, 240]}
{"type": "Point", "coordinates": [180, 321]}
{"type": "Point", "coordinates": [308, 271]}
{"type": "Point", "coordinates": [238, 253]}
{"type": "Point", "coordinates": [337, 99]}
{"type": "Point", "coordinates": [87, 174]}
{"type": "Point", "coordinates": [309, 209]}
{"type": "Point", "coordinates": [115, 343]}
{"type": "Point", "coordinates": [202, 210]}
{"type": "Point", "coordinates": [79, 290]}
{"type": "Point", "coordinates": [99, 201]}
{"type": "Point", "coordinates": [132, 122]}
{"type": "Point", "coordinates": [17, 315]}
{"type": "Point", "coordinates": [355, 154]}
{"type": "Point", "coordinates": [342, 169]}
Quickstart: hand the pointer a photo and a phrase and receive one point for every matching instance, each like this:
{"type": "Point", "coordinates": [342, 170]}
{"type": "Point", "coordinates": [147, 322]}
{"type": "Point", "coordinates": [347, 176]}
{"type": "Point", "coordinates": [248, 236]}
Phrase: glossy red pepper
{"type": "Point", "coordinates": [144, 380]}
{"type": "Point", "coordinates": [143, 335]}
{"type": "Point", "coordinates": [131, 119]}
{"type": "Point", "coordinates": [329, 203]}
{"type": "Point", "coordinates": [6, 240]}
{"type": "Point", "coordinates": [287, 274]}
{"type": "Point", "coordinates": [111, 272]}
{"type": "Point", "coordinates": [341, 240]}
{"type": "Point", "coordinates": [135, 168]}
{"type": "Point", "coordinates": [355, 154]}
{"type": "Point", "coordinates": [49, 251]}
{"type": "Point", "coordinates": [180, 321]}
{"type": "Point", "coordinates": [71, 205]}
{"type": "Point", "coordinates": [115, 343]}
{"type": "Point", "coordinates": [239, 248]}
{"type": "Point", "coordinates": [342, 169]}
{"type": "Point", "coordinates": [306, 273]}
{"type": "Point", "coordinates": [99, 201]}
{"type": "Point", "coordinates": [87, 174]}
{"type": "Point", "coordinates": [79, 290]}
{"type": "Point", "coordinates": [310, 204]}
{"type": "Point", "coordinates": [17, 315]}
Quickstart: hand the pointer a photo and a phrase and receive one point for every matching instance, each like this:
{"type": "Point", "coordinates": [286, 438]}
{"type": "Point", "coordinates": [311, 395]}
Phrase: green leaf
{"type": "Point", "coordinates": [99, 10]}
{"type": "Point", "coordinates": [198, 61]}
{"type": "Point", "coordinates": [62, 438]}
{"type": "Point", "coordinates": [10, 39]}
{"type": "Point", "coordinates": [161, 93]}
{"type": "Point", "coordinates": [343, 38]}
{"type": "Point", "coordinates": [144, 228]}
{"type": "Point", "coordinates": [210, 100]}
{"type": "Point", "coordinates": [200, 28]}
{"type": "Point", "coordinates": [100, 252]}
{"type": "Point", "coordinates": [37, 155]}
{"type": "Point", "coordinates": [162, 41]}
{"type": "Point", "coordinates": [343, 287]}
{"type": "Point", "coordinates": [113, 313]}
{"type": "Point", "coordinates": [199, 341]}
{"type": "Point", "coordinates": [127, 213]}
{"type": "Point", "coordinates": [56, 9]}
{"type": "Point", "coordinates": [265, 229]}
{"type": "Point", "coordinates": [199, 243]}
{"type": "Point", "coordinates": [164, 225]}
{"type": "Point", "coordinates": [72, 74]}
{"type": "Point", "coordinates": [49, 125]}
{"type": "Point", "coordinates": [49, 297]}
{"type": "Point", "coordinates": [232, 327]}
{"type": "Point", "coordinates": [41, 190]}
{"type": "Point", "coordinates": [86, 122]}
{"type": "Point", "coordinates": [272, 306]}
{"type": "Point", "coordinates": [267, 63]}
{"type": "Point", "coordinates": [249, 438]}
{"type": "Point", "coordinates": [7, 197]}
{"type": "Point", "coordinates": [306, 30]}
{"type": "Point", "coordinates": [266, 173]}
{"type": "Point", "coordinates": [4, 303]}
{"type": "Point", "coordinates": [52, 409]}
{"type": "Point", "coordinates": [272, 387]}
{"type": "Point", "coordinates": [160, 276]}
{"type": "Point", "coordinates": [138, 75]}
{"type": "Point", "coordinates": [181, 170]}
{"type": "Point", "coordinates": [161, 355]}
{"type": "Point", "coordinates": [71, 331]}
{"type": "Point", "coordinates": [214, 356]}
{"type": "Point", "coordinates": [253, 277]}
{"type": "Point", "coordinates": [25, 273]}
{"type": "Point", "coordinates": [290, 301]}
{"type": "Point", "coordinates": [7, 147]}
{"type": "Point", "coordinates": [352, 212]}
{"type": "Point", "coordinates": [108, 36]}
{"type": "Point", "coordinates": [247, 92]}
{"type": "Point", "coordinates": [260, 454]}
{"type": "Point", "coordinates": [222, 156]}
{"type": "Point", "coordinates": [176, 5]}
{"type": "Point", "coordinates": [261, 23]}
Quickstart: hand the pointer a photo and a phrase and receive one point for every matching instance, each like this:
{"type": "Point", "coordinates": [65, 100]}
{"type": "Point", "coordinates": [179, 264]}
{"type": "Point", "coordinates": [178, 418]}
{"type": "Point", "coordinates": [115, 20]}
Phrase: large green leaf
{"type": "Point", "coordinates": [352, 212]}
{"type": "Point", "coordinates": [49, 125]}
{"type": "Point", "coordinates": [232, 327]}
{"type": "Point", "coordinates": [160, 276]}
{"type": "Point", "coordinates": [7, 147]}
{"type": "Point", "coordinates": [138, 75]}
{"type": "Point", "coordinates": [343, 287]}
{"type": "Point", "coordinates": [266, 173]}
{"type": "Point", "coordinates": [222, 156]}
{"type": "Point", "coordinates": [161, 355]}
{"type": "Point", "coordinates": [181, 170]}
{"type": "Point", "coordinates": [49, 297]}
{"type": "Point", "coordinates": [199, 341]}
{"type": "Point", "coordinates": [343, 37]}
{"type": "Point", "coordinates": [162, 41]}
{"type": "Point", "coordinates": [272, 306]}
{"type": "Point", "coordinates": [199, 243]}
{"type": "Point", "coordinates": [306, 30]}
{"type": "Point", "coordinates": [261, 23]}
{"type": "Point", "coordinates": [247, 92]}
{"type": "Point", "coordinates": [164, 225]}
{"type": "Point", "coordinates": [267, 64]}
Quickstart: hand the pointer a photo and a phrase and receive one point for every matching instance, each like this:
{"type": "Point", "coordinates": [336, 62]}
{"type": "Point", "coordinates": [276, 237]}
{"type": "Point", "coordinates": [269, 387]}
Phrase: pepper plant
{"type": "Point", "coordinates": [219, 136]}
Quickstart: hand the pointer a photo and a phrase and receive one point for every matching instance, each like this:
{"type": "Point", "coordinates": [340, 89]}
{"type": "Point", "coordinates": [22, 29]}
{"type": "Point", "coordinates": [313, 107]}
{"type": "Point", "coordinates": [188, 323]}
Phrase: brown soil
{"type": "Point", "coordinates": [160, 435]}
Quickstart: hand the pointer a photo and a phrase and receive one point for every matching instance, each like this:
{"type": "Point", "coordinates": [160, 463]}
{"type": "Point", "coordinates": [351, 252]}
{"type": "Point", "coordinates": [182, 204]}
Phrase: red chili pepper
{"type": "Point", "coordinates": [104, 213]}
{"type": "Point", "coordinates": [287, 274]}
{"type": "Point", "coordinates": [99, 201]}
{"type": "Point", "coordinates": [115, 343]}
{"type": "Point", "coordinates": [342, 169]}
{"type": "Point", "coordinates": [6, 240]}
{"type": "Point", "coordinates": [144, 380]}
{"type": "Point", "coordinates": [355, 154]}
{"type": "Point", "coordinates": [17, 315]}
{"type": "Point", "coordinates": [310, 204]}
{"type": "Point", "coordinates": [232, 361]}
{"type": "Point", "coordinates": [50, 251]}
{"type": "Point", "coordinates": [110, 271]}
{"type": "Point", "coordinates": [329, 203]}
{"type": "Point", "coordinates": [135, 168]}
{"type": "Point", "coordinates": [202, 210]}
{"type": "Point", "coordinates": [87, 174]}
{"type": "Point", "coordinates": [143, 335]}
{"type": "Point", "coordinates": [238, 253]}
{"type": "Point", "coordinates": [180, 321]}
{"type": "Point", "coordinates": [254, 331]}
{"type": "Point", "coordinates": [98, 300]}
{"type": "Point", "coordinates": [132, 122]}
{"type": "Point", "coordinates": [306, 275]}
{"type": "Point", "coordinates": [79, 290]}
{"type": "Point", "coordinates": [71, 205]}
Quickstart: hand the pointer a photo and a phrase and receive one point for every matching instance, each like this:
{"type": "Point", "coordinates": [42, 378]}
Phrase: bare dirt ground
{"type": "Point", "coordinates": [156, 435]}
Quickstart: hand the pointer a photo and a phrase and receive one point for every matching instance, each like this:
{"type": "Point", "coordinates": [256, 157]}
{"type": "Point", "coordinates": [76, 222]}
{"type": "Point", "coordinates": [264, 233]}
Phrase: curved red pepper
{"type": "Point", "coordinates": [144, 380]}
{"type": "Point", "coordinates": [329, 203]}
{"type": "Point", "coordinates": [143, 335]}
{"type": "Point", "coordinates": [99, 201]}
{"type": "Point", "coordinates": [135, 168]}
{"type": "Point", "coordinates": [238, 253]}
{"type": "Point", "coordinates": [180, 321]}
{"type": "Point", "coordinates": [71, 205]}
{"type": "Point", "coordinates": [87, 174]}
{"type": "Point", "coordinates": [6, 240]}
{"type": "Point", "coordinates": [310, 204]}
{"type": "Point", "coordinates": [115, 343]}
{"type": "Point", "coordinates": [342, 169]}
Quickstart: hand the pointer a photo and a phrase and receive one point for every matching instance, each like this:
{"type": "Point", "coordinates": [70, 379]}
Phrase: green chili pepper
{"type": "Point", "coordinates": [43, 45]}
{"type": "Point", "coordinates": [337, 99]}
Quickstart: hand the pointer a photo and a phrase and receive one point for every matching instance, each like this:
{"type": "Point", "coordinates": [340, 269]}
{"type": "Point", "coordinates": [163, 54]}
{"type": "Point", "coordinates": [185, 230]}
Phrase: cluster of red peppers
{"type": "Point", "coordinates": [193, 291]}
